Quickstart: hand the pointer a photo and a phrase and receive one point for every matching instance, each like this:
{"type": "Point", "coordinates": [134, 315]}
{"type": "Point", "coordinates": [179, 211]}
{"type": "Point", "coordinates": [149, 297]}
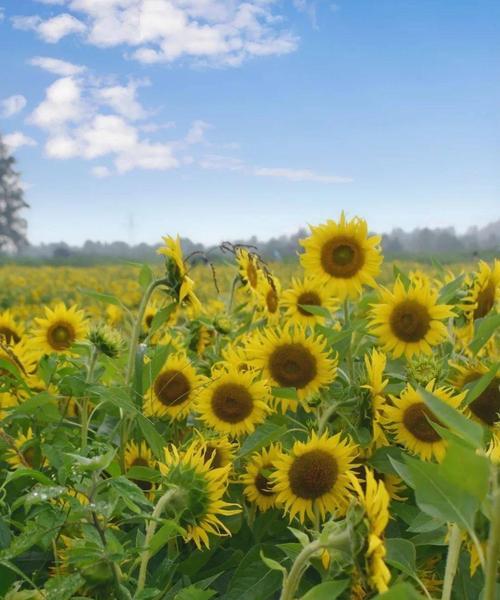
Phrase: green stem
{"type": "Point", "coordinates": [325, 416]}
{"type": "Point", "coordinates": [231, 295]}
{"type": "Point", "coordinates": [150, 531]}
{"type": "Point", "coordinates": [347, 321]}
{"type": "Point", "coordinates": [84, 408]}
{"type": "Point", "coordinates": [493, 550]}
{"type": "Point", "coordinates": [454, 544]}
{"type": "Point", "coordinates": [299, 566]}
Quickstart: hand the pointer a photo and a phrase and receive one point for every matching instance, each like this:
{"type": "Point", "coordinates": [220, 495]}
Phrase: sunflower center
{"type": "Point", "coordinates": [415, 420]}
{"type": "Point", "coordinates": [252, 275]}
{"type": "Point", "coordinates": [211, 452]}
{"type": "Point", "coordinates": [410, 321]}
{"type": "Point", "coordinates": [172, 387]}
{"type": "Point", "coordinates": [485, 300]}
{"type": "Point", "coordinates": [61, 335]}
{"type": "Point", "coordinates": [9, 335]}
{"type": "Point", "coordinates": [29, 456]}
{"type": "Point", "coordinates": [292, 365]}
{"type": "Point", "coordinates": [148, 320]}
{"type": "Point", "coordinates": [144, 485]}
{"type": "Point", "coordinates": [313, 474]}
{"type": "Point", "coordinates": [263, 484]}
{"type": "Point", "coordinates": [309, 299]}
{"type": "Point", "coordinates": [486, 406]}
{"type": "Point", "coordinates": [272, 301]}
{"type": "Point", "coordinates": [342, 257]}
{"type": "Point", "coordinates": [232, 402]}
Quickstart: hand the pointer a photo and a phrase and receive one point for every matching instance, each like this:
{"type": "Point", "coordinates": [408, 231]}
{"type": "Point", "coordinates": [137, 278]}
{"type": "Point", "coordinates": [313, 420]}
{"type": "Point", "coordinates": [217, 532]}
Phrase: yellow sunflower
{"type": "Point", "coordinates": [218, 451]}
{"type": "Point", "coordinates": [139, 455]}
{"type": "Point", "coordinates": [60, 329]}
{"type": "Point", "coordinates": [248, 268]}
{"type": "Point", "coordinates": [233, 402]}
{"type": "Point", "coordinates": [308, 291]}
{"type": "Point", "coordinates": [268, 291]}
{"type": "Point", "coordinates": [315, 476]}
{"type": "Point", "coordinates": [24, 452]}
{"type": "Point", "coordinates": [483, 290]}
{"type": "Point", "coordinates": [409, 321]}
{"type": "Point", "coordinates": [409, 420]}
{"type": "Point", "coordinates": [172, 392]}
{"type": "Point", "coordinates": [342, 254]}
{"type": "Point", "coordinates": [375, 500]}
{"type": "Point", "coordinates": [204, 489]}
{"type": "Point", "coordinates": [256, 478]}
{"type": "Point", "coordinates": [486, 407]}
{"type": "Point", "coordinates": [375, 364]}
{"type": "Point", "coordinates": [11, 332]}
{"type": "Point", "coordinates": [290, 358]}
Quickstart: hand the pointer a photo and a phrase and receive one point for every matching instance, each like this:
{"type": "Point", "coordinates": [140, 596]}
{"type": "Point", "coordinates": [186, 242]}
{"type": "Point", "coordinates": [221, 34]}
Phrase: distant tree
{"type": "Point", "coordinates": [12, 225]}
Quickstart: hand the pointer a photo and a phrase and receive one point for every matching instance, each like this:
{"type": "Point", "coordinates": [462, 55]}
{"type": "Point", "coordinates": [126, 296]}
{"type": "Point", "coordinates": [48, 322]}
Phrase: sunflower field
{"type": "Point", "coordinates": [320, 431]}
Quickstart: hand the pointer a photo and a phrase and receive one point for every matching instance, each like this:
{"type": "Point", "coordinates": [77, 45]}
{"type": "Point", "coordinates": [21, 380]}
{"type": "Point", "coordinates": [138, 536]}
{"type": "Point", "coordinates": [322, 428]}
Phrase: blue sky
{"type": "Point", "coordinates": [221, 119]}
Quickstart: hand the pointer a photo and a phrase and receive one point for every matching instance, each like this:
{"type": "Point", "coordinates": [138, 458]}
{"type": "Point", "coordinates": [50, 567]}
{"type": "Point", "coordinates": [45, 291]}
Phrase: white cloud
{"type": "Point", "coordinates": [218, 162]}
{"type": "Point", "coordinates": [12, 105]}
{"type": "Point", "coordinates": [220, 32]}
{"type": "Point", "coordinates": [62, 104]}
{"type": "Point", "coordinates": [17, 139]}
{"type": "Point", "coordinates": [196, 132]}
{"type": "Point", "coordinates": [123, 100]}
{"type": "Point", "coordinates": [299, 175]}
{"type": "Point", "coordinates": [51, 30]}
{"type": "Point", "coordinates": [145, 155]}
{"type": "Point", "coordinates": [100, 171]}
{"type": "Point", "coordinates": [57, 66]}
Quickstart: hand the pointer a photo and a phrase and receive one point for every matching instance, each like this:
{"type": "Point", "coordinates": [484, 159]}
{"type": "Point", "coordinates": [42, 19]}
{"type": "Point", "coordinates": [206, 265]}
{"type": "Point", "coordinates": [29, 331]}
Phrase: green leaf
{"type": "Point", "coordinates": [145, 276]}
{"type": "Point", "coordinates": [101, 297]}
{"type": "Point", "coordinates": [167, 531]}
{"type": "Point", "coordinates": [194, 593]}
{"type": "Point", "coordinates": [300, 535]}
{"type": "Point", "coordinates": [400, 591]}
{"type": "Point", "coordinates": [479, 385]}
{"type": "Point", "coordinates": [42, 493]}
{"type": "Point", "coordinates": [63, 587]}
{"type": "Point", "coordinates": [484, 329]}
{"type": "Point", "coordinates": [381, 459]}
{"type": "Point", "coordinates": [402, 555]}
{"type": "Point", "coordinates": [265, 434]}
{"type": "Point", "coordinates": [251, 580]}
{"type": "Point", "coordinates": [287, 393]}
{"type": "Point", "coordinates": [319, 311]}
{"type": "Point", "coordinates": [153, 438]}
{"type": "Point", "coordinates": [32, 473]}
{"type": "Point", "coordinates": [95, 463]}
{"type": "Point", "coordinates": [329, 590]}
{"type": "Point", "coordinates": [468, 430]}
{"type": "Point", "coordinates": [461, 459]}
{"type": "Point", "coordinates": [161, 317]}
{"type": "Point", "coordinates": [402, 276]}
{"type": "Point", "coordinates": [272, 564]}
{"type": "Point", "coordinates": [449, 291]}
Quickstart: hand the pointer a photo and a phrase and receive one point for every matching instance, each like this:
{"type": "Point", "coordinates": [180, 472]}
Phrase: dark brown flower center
{"type": "Point", "coordinates": [214, 453]}
{"type": "Point", "coordinates": [144, 485]}
{"type": "Point", "coordinates": [272, 301]}
{"type": "Point", "coordinates": [172, 387]}
{"type": "Point", "coordinates": [307, 299]}
{"type": "Point", "coordinates": [232, 402]}
{"type": "Point", "coordinates": [262, 483]}
{"type": "Point", "coordinates": [485, 300]}
{"type": "Point", "coordinates": [313, 474]}
{"type": "Point", "coordinates": [342, 257]}
{"type": "Point", "coordinates": [148, 320]}
{"type": "Point", "coordinates": [415, 419]}
{"type": "Point", "coordinates": [252, 275]}
{"type": "Point", "coordinates": [9, 335]}
{"type": "Point", "coordinates": [410, 321]}
{"type": "Point", "coordinates": [61, 335]}
{"type": "Point", "coordinates": [292, 365]}
{"type": "Point", "coordinates": [486, 406]}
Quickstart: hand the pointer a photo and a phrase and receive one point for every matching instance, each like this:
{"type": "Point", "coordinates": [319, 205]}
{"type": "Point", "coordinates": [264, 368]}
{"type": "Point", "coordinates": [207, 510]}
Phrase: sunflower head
{"type": "Point", "coordinates": [248, 268]}
{"type": "Point", "coordinates": [60, 329]}
{"type": "Point", "coordinates": [107, 340]}
{"type": "Point", "coordinates": [343, 255]}
{"type": "Point", "coordinates": [482, 290]}
{"type": "Point", "coordinates": [139, 455]}
{"type": "Point", "coordinates": [485, 408]}
{"type": "Point", "coordinates": [305, 293]}
{"type": "Point", "coordinates": [257, 478]}
{"type": "Point", "coordinates": [11, 332]}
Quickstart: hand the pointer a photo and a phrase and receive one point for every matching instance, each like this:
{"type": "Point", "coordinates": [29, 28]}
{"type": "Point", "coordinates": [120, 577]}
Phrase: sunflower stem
{"type": "Point", "coordinates": [347, 321]}
{"type": "Point", "coordinates": [85, 401]}
{"type": "Point", "coordinates": [150, 531]}
{"type": "Point", "coordinates": [292, 580]}
{"type": "Point", "coordinates": [324, 418]}
{"type": "Point", "coordinates": [454, 544]}
{"type": "Point", "coordinates": [493, 549]}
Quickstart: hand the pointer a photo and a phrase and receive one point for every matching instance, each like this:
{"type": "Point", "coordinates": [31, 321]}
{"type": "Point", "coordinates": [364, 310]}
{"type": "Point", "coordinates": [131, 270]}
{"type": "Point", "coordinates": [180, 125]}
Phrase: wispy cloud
{"type": "Point", "coordinates": [12, 105]}
{"type": "Point", "coordinates": [299, 175]}
{"type": "Point", "coordinates": [56, 66]}
{"type": "Point", "coordinates": [17, 139]}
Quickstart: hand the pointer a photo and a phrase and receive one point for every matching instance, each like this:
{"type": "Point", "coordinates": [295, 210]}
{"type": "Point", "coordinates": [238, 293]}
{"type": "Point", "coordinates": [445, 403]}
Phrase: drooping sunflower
{"type": "Point", "coordinates": [204, 489]}
{"type": "Point", "coordinates": [290, 358]}
{"type": "Point", "coordinates": [410, 420]}
{"type": "Point", "coordinates": [180, 284]}
{"type": "Point", "coordinates": [139, 455]}
{"type": "Point", "coordinates": [11, 332]}
{"type": "Point", "coordinates": [248, 268]}
{"type": "Point", "coordinates": [343, 255]}
{"type": "Point", "coordinates": [315, 476]}
{"type": "Point", "coordinates": [233, 402]}
{"type": "Point", "coordinates": [256, 478]}
{"type": "Point", "coordinates": [375, 500]}
{"type": "Point", "coordinates": [308, 291]}
{"type": "Point", "coordinates": [486, 407]}
{"type": "Point", "coordinates": [375, 364]}
{"type": "Point", "coordinates": [60, 329]}
{"type": "Point", "coordinates": [408, 321]}
{"type": "Point", "coordinates": [174, 389]}
{"type": "Point", "coordinates": [483, 290]}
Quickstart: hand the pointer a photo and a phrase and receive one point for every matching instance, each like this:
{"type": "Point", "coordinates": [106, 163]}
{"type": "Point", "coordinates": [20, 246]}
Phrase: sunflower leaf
{"type": "Point", "coordinates": [400, 591]}
{"type": "Point", "coordinates": [483, 330]}
{"type": "Point", "coordinates": [478, 386]}
{"type": "Point", "coordinates": [402, 555]}
{"type": "Point", "coordinates": [328, 590]}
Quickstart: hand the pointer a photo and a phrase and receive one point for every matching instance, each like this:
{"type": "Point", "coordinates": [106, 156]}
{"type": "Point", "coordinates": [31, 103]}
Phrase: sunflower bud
{"type": "Point", "coordinates": [424, 369]}
{"type": "Point", "coordinates": [106, 340]}
{"type": "Point", "coordinates": [222, 324]}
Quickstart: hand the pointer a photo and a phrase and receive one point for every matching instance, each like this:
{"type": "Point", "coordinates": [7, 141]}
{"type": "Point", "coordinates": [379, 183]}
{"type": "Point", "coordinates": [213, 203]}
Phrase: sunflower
{"type": "Point", "coordinates": [11, 332]}
{"type": "Point", "coordinates": [204, 489]}
{"type": "Point", "coordinates": [375, 500]}
{"type": "Point", "coordinates": [234, 402]}
{"type": "Point", "coordinates": [408, 321]}
{"type": "Point", "coordinates": [258, 486]}
{"type": "Point", "coordinates": [486, 407]}
{"type": "Point", "coordinates": [24, 452]}
{"type": "Point", "coordinates": [139, 455]}
{"type": "Point", "coordinates": [218, 451]}
{"type": "Point", "coordinates": [315, 476]}
{"type": "Point", "coordinates": [290, 358]}
{"type": "Point", "coordinates": [308, 291]}
{"type": "Point", "coordinates": [248, 268]}
{"type": "Point", "coordinates": [409, 420]}
{"type": "Point", "coordinates": [174, 389]}
{"type": "Point", "coordinates": [60, 329]}
{"type": "Point", "coordinates": [343, 255]}
{"type": "Point", "coordinates": [268, 291]}
{"type": "Point", "coordinates": [483, 290]}
{"type": "Point", "coordinates": [375, 364]}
